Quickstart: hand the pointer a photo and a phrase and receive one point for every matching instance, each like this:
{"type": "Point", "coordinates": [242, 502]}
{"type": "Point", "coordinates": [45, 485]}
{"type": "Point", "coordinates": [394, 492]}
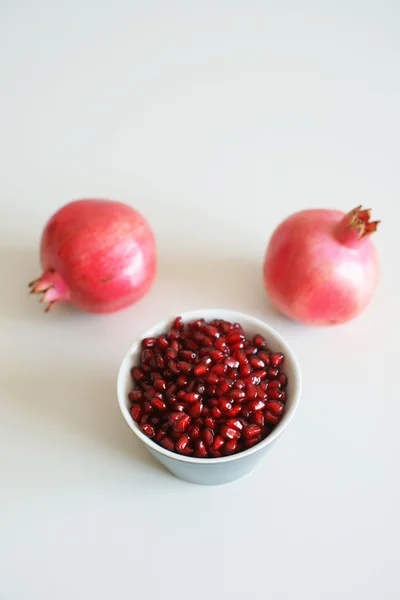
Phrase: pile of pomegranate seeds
{"type": "Point", "coordinates": [205, 390]}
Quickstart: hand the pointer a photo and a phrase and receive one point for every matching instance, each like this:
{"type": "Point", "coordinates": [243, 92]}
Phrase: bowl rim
{"type": "Point", "coordinates": [207, 313]}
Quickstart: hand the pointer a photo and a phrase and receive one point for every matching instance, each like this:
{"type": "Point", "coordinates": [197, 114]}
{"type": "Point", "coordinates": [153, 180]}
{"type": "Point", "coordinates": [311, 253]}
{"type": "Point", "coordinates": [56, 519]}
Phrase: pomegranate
{"type": "Point", "coordinates": [179, 407]}
{"type": "Point", "coordinates": [98, 255]}
{"type": "Point", "coordinates": [321, 267]}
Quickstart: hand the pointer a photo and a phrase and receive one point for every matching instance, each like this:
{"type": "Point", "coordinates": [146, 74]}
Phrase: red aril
{"type": "Point", "coordinates": [192, 400]}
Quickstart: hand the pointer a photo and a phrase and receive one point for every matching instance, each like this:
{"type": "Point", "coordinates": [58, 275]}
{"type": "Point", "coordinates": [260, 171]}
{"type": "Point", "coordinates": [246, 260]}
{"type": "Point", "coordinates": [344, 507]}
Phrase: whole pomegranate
{"type": "Point", "coordinates": [98, 255]}
{"type": "Point", "coordinates": [321, 267]}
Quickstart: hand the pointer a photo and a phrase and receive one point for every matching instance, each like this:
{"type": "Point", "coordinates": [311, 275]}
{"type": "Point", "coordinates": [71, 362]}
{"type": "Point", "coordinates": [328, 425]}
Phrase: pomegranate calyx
{"type": "Point", "coordinates": [359, 220]}
{"type": "Point", "coordinates": [355, 227]}
{"type": "Point", "coordinates": [53, 288]}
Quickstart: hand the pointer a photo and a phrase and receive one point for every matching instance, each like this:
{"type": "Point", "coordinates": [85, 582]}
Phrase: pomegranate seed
{"type": "Point", "coordinates": [224, 386]}
{"type": "Point", "coordinates": [191, 397]}
{"type": "Point", "coordinates": [253, 441]}
{"type": "Point", "coordinates": [194, 432]}
{"type": "Point", "coordinates": [146, 356]}
{"type": "Point", "coordinates": [157, 361]}
{"type": "Point", "coordinates": [235, 410]}
{"type": "Point", "coordinates": [174, 334]}
{"type": "Point", "coordinates": [137, 374]}
{"type": "Point", "coordinates": [160, 385]}
{"type": "Point", "coordinates": [174, 366]}
{"type": "Point", "coordinates": [251, 391]}
{"type": "Point", "coordinates": [241, 358]}
{"type": "Point", "coordinates": [232, 363]}
{"type": "Point", "coordinates": [237, 346]}
{"type": "Point", "coordinates": [229, 432]}
{"type": "Point", "coordinates": [250, 350]}
{"type": "Point", "coordinates": [158, 404]}
{"type": "Point", "coordinates": [187, 451]}
{"type": "Point", "coordinates": [274, 394]}
{"type": "Point", "coordinates": [182, 443]}
{"type": "Point", "coordinates": [218, 442]}
{"type": "Point", "coordinates": [148, 429]}
{"type": "Point", "coordinates": [216, 355]}
{"type": "Point", "coordinates": [178, 323]}
{"type": "Point", "coordinates": [215, 412]}
{"type": "Point", "coordinates": [251, 430]}
{"type": "Point", "coordinates": [206, 360]}
{"type": "Point", "coordinates": [175, 345]}
{"type": "Point", "coordinates": [224, 405]}
{"type": "Point", "coordinates": [283, 397]}
{"type": "Point", "coordinates": [209, 422]}
{"type": "Point", "coordinates": [259, 341]}
{"type": "Point", "coordinates": [245, 412]}
{"type": "Point", "coordinates": [264, 356]}
{"type": "Point", "coordinates": [275, 383]}
{"type": "Point", "coordinates": [211, 390]}
{"type": "Point", "coordinates": [190, 344]}
{"type": "Point", "coordinates": [148, 342]}
{"type": "Point", "coordinates": [219, 369]}
{"type": "Point", "coordinates": [215, 453]}
{"type": "Point", "coordinates": [282, 379]}
{"type": "Point", "coordinates": [255, 405]}
{"type": "Point", "coordinates": [258, 419]}
{"type": "Point", "coordinates": [256, 362]}
{"type": "Point", "coordinates": [201, 450]}
{"type": "Point", "coordinates": [171, 388]}
{"type": "Point", "coordinates": [275, 407]}
{"type": "Point", "coordinates": [226, 326]}
{"type": "Point", "coordinates": [237, 395]}
{"type": "Point", "coordinates": [168, 444]}
{"type": "Point", "coordinates": [170, 354]}
{"type": "Point", "coordinates": [181, 381]}
{"type": "Point", "coordinates": [187, 355]}
{"type": "Point", "coordinates": [235, 423]}
{"type": "Point", "coordinates": [158, 436]}
{"type": "Point", "coordinates": [210, 378]}
{"type": "Point", "coordinates": [136, 412]}
{"type": "Point", "coordinates": [276, 359]}
{"type": "Point", "coordinates": [147, 407]}
{"type": "Point", "coordinates": [200, 370]}
{"type": "Point", "coordinates": [270, 418]}
{"type": "Point", "coordinates": [220, 344]}
{"type": "Point", "coordinates": [196, 409]}
{"type": "Point", "coordinates": [182, 423]}
{"type": "Point", "coordinates": [230, 446]}
{"type": "Point", "coordinates": [135, 396]}
{"type": "Point", "coordinates": [164, 427]}
{"type": "Point", "coordinates": [233, 337]}
{"type": "Point", "coordinates": [208, 436]}
{"type": "Point", "coordinates": [211, 331]}
{"type": "Point", "coordinates": [245, 370]}
{"type": "Point", "coordinates": [239, 384]}
{"type": "Point", "coordinates": [178, 407]}
{"type": "Point", "coordinates": [174, 417]}
{"type": "Point", "coordinates": [272, 372]}
{"type": "Point", "coordinates": [261, 395]}
{"type": "Point", "coordinates": [185, 367]}
{"type": "Point", "coordinates": [162, 342]}
{"type": "Point", "coordinates": [200, 389]}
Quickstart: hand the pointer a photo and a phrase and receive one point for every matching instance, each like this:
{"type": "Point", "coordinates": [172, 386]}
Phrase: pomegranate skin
{"type": "Point", "coordinates": [99, 255]}
{"type": "Point", "coordinates": [321, 267]}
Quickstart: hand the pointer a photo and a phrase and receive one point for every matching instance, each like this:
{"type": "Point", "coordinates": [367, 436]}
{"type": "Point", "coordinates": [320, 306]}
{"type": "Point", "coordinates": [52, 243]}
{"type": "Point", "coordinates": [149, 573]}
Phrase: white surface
{"type": "Point", "coordinates": [213, 471]}
{"type": "Point", "coordinates": [216, 119]}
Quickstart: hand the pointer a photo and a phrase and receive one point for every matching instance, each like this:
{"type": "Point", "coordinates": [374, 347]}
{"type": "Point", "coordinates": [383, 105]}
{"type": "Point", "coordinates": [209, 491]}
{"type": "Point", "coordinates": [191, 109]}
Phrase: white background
{"type": "Point", "coordinates": [216, 119]}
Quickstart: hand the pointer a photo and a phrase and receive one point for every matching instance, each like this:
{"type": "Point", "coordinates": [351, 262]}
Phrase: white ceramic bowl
{"type": "Point", "coordinates": [213, 471]}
